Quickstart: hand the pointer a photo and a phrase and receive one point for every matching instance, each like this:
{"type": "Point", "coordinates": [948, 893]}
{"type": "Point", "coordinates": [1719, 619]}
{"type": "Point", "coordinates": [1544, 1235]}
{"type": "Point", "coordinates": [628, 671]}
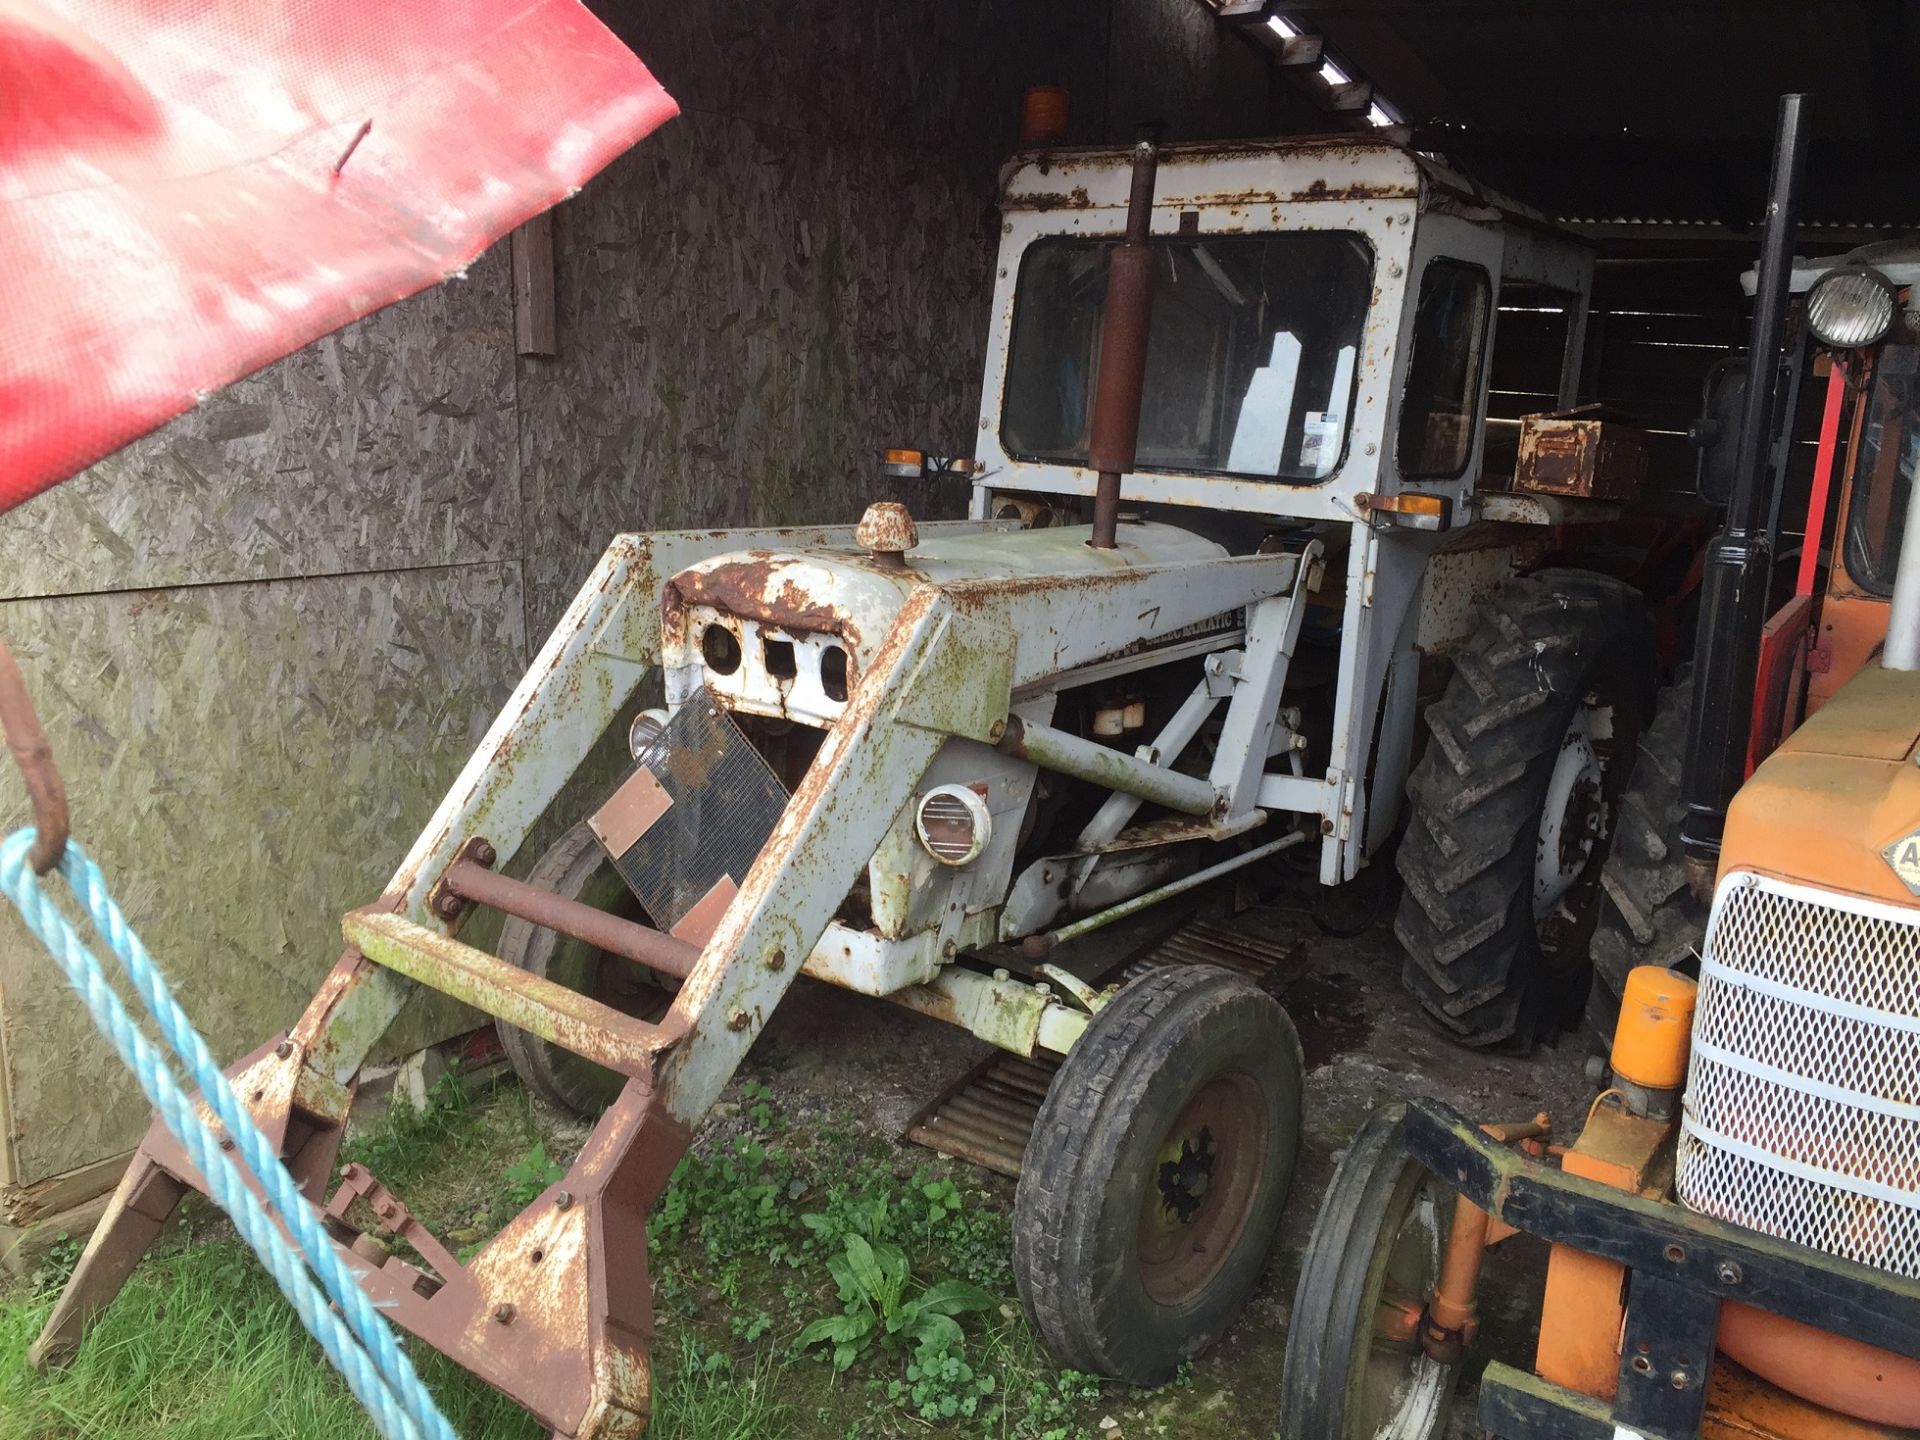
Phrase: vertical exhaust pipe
{"type": "Point", "coordinates": [1123, 351]}
{"type": "Point", "coordinates": [1902, 650]}
{"type": "Point", "coordinates": [1739, 562]}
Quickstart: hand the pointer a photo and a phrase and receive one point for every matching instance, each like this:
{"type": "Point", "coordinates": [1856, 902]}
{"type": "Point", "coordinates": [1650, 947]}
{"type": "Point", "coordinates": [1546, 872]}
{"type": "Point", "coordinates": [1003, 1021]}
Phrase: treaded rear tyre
{"type": "Point", "coordinates": [1157, 1172]}
{"type": "Point", "coordinates": [1553, 649]}
{"type": "Point", "coordinates": [1383, 1217]}
{"type": "Point", "coordinates": [1648, 913]}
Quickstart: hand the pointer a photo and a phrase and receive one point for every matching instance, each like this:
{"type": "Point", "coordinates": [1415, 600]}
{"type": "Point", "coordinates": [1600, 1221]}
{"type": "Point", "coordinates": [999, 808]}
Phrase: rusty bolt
{"type": "Point", "coordinates": [1326, 827]}
{"type": "Point", "coordinates": [504, 1314]}
{"type": "Point", "coordinates": [887, 532]}
{"type": "Point", "coordinates": [736, 1020]}
{"type": "Point", "coordinates": [283, 1049]}
{"type": "Point", "coordinates": [996, 730]}
{"type": "Point", "coordinates": [562, 1200]}
{"type": "Point", "coordinates": [446, 904]}
{"type": "Point", "coordinates": [484, 853]}
{"type": "Point", "coordinates": [226, 1142]}
{"type": "Point", "coordinates": [777, 960]}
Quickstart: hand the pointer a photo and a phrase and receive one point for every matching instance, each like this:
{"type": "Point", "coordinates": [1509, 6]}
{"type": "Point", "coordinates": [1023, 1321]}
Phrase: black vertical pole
{"type": "Point", "coordinates": [1739, 565]}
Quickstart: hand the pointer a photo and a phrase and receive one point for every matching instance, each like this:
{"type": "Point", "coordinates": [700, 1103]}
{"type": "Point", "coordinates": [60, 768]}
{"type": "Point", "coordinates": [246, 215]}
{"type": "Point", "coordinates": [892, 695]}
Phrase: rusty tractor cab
{"type": "Point", "coordinates": [914, 760]}
{"type": "Point", "coordinates": [1734, 1227]}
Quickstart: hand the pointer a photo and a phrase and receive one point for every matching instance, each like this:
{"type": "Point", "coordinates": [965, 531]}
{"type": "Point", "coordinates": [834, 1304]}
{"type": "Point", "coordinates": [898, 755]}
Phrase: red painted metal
{"type": "Point", "coordinates": [1823, 462]}
{"type": "Point", "coordinates": [188, 192]}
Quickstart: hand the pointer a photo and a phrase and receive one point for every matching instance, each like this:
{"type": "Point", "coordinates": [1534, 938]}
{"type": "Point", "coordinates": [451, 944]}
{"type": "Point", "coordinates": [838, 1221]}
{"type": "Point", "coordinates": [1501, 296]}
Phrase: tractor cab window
{"type": "Point", "coordinates": [1443, 372]}
{"type": "Point", "coordinates": [1885, 467]}
{"type": "Point", "coordinates": [1251, 356]}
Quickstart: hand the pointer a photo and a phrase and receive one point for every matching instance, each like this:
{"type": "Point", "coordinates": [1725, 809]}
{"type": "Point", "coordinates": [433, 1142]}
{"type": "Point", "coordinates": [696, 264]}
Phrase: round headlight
{"type": "Point", "coordinates": [1852, 307]}
{"type": "Point", "coordinates": [647, 736]}
{"type": "Point", "coordinates": [952, 822]}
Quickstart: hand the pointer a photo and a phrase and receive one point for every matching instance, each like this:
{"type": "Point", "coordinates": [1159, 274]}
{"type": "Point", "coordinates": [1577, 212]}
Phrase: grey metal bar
{"type": "Point", "coordinates": [1088, 760]}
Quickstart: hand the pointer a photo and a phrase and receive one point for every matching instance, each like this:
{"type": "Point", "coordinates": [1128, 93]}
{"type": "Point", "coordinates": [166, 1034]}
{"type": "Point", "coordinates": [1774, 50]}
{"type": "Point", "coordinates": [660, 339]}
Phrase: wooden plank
{"type": "Point", "coordinates": [24, 1247]}
{"type": "Point", "coordinates": [535, 326]}
{"type": "Point", "coordinates": [29, 1204]}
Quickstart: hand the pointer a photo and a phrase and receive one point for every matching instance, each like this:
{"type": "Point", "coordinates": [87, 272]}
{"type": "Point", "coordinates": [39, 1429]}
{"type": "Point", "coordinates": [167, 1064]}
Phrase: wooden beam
{"type": "Point", "coordinates": [1353, 98]}
{"type": "Point", "coordinates": [535, 326]}
{"type": "Point", "coordinates": [1300, 50]}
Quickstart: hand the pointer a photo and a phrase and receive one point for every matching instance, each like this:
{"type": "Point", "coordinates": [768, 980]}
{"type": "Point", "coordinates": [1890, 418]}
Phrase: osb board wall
{"type": "Point", "coordinates": [265, 638]}
{"type": "Point", "coordinates": [243, 761]}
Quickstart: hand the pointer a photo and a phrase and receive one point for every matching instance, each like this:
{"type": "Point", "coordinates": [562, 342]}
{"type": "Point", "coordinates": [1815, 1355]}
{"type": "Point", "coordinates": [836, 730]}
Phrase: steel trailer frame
{"type": "Point", "coordinates": [1681, 1265]}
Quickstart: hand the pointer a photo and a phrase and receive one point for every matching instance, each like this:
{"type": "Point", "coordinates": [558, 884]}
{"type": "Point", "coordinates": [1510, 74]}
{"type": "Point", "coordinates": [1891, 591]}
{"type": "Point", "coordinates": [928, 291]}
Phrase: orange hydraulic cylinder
{"type": "Point", "coordinates": [1651, 1042]}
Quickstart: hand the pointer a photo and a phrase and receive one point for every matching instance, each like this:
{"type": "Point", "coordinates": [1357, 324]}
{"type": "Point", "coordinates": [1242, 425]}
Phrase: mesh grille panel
{"type": "Point", "coordinates": [726, 801]}
{"type": "Point", "coordinates": [1802, 1111]}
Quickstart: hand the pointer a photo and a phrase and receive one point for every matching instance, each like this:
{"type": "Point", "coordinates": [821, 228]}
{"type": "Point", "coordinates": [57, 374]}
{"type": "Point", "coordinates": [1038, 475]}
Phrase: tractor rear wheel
{"type": "Point", "coordinates": [576, 868]}
{"type": "Point", "coordinates": [1648, 913]}
{"type": "Point", "coordinates": [1157, 1171]}
{"type": "Point", "coordinates": [1355, 1369]}
{"type": "Point", "coordinates": [1512, 806]}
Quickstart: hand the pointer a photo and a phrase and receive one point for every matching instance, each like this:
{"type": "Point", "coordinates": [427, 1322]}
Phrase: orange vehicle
{"type": "Point", "coordinates": [1734, 1227]}
{"type": "Point", "coordinates": [1827, 627]}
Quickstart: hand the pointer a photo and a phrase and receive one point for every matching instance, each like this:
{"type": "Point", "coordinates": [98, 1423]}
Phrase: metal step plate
{"type": "Point", "coordinates": [986, 1116]}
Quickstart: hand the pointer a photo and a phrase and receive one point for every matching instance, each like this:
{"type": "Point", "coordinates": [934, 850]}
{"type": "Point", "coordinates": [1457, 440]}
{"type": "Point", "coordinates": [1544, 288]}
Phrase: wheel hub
{"type": "Point", "coordinates": [1202, 1187]}
{"type": "Point", "coordinates": [1185, 1176]}
{"type": "Point", "coordinates": [1573, 816]}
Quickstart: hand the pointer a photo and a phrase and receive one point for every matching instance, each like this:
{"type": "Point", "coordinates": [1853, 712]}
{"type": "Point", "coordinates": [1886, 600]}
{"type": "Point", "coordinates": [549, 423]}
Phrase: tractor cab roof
{"type": "Point", "coordinates": [1237, 175]}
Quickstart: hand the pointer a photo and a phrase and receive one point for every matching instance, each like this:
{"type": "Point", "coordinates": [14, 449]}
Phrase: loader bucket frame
{"type": "Point", "coordinates": [554, 1311]}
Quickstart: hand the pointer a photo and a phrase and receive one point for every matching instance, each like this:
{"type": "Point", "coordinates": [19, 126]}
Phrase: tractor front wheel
{"type": "Point", "coordinates": [576, 868]}
{"type": "Point", "coordinates": [1513, 805]}
{"type": "Point", "coordinates": [1355, 1367]}
{"type": "Point", "coordinates": [1157, 1171]}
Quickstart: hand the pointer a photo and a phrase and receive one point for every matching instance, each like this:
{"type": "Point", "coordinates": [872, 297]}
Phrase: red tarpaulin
{"type": "Point", "coordinates": [190, 189]}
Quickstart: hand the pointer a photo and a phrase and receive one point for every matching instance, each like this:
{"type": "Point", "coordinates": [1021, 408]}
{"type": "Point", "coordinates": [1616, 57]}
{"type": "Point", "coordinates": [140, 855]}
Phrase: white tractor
{"type": "Point", "coordinates": [911, 761]}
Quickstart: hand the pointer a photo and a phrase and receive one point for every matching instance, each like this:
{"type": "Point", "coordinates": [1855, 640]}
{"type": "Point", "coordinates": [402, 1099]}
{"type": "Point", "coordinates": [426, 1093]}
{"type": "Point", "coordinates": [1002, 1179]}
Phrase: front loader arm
{"type": "Point", "coordinates": [604, 645]}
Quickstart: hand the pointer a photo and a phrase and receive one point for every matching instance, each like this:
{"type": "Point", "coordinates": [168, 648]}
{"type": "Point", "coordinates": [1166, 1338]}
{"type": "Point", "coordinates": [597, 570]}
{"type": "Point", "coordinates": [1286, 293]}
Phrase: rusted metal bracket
{"type": "Point", "coordinates": [449, 905]}
{"type": "Point", "coordinates": [31, 752]}
{"type": "Point", "coordinates": [358, 1183]}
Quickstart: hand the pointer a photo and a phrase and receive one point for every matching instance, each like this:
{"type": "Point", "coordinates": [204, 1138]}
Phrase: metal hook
{"type": "Point", "coordinates": [34, 756]}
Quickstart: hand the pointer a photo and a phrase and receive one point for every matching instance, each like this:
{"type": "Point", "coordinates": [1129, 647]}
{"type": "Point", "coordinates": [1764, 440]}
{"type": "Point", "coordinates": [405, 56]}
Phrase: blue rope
{"type": "Point", "coordinates": [357, 1339]}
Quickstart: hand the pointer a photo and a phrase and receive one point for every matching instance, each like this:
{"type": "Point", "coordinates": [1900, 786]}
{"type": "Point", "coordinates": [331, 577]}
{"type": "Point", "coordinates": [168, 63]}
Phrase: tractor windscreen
{"type": "Point", "coordinates": [1251, 359]}
{"type": "Point", "coordinates": [1885, 470]}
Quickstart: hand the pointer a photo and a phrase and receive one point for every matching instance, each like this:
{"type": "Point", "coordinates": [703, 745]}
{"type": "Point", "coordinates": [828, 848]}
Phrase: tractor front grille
{"type": "Point", "coordinates": [1802, 1112]}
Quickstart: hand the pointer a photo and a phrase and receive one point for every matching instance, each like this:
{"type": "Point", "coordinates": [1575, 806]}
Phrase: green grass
{"type": "Point", "coordinates": [746, 1245]}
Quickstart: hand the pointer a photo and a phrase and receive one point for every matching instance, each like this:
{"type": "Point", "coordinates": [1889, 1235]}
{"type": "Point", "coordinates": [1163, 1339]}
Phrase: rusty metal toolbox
{"type": "Point", "coordinates": [1575, 452]}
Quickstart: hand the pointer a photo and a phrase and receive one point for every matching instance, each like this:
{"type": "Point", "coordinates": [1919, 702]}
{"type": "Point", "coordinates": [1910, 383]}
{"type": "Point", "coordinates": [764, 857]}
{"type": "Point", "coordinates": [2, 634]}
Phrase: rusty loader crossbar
{"type": "Point", "coordinates": [554, 1311]}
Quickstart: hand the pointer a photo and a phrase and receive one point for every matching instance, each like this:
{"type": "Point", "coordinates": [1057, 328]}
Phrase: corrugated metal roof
{"type": "Point", "coordinates": [1662, 109]}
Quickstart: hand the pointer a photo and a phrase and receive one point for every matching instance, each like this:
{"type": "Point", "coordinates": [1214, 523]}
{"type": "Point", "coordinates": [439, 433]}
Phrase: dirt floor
{"type": "Point", "coordinates": [1366, 1044]}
